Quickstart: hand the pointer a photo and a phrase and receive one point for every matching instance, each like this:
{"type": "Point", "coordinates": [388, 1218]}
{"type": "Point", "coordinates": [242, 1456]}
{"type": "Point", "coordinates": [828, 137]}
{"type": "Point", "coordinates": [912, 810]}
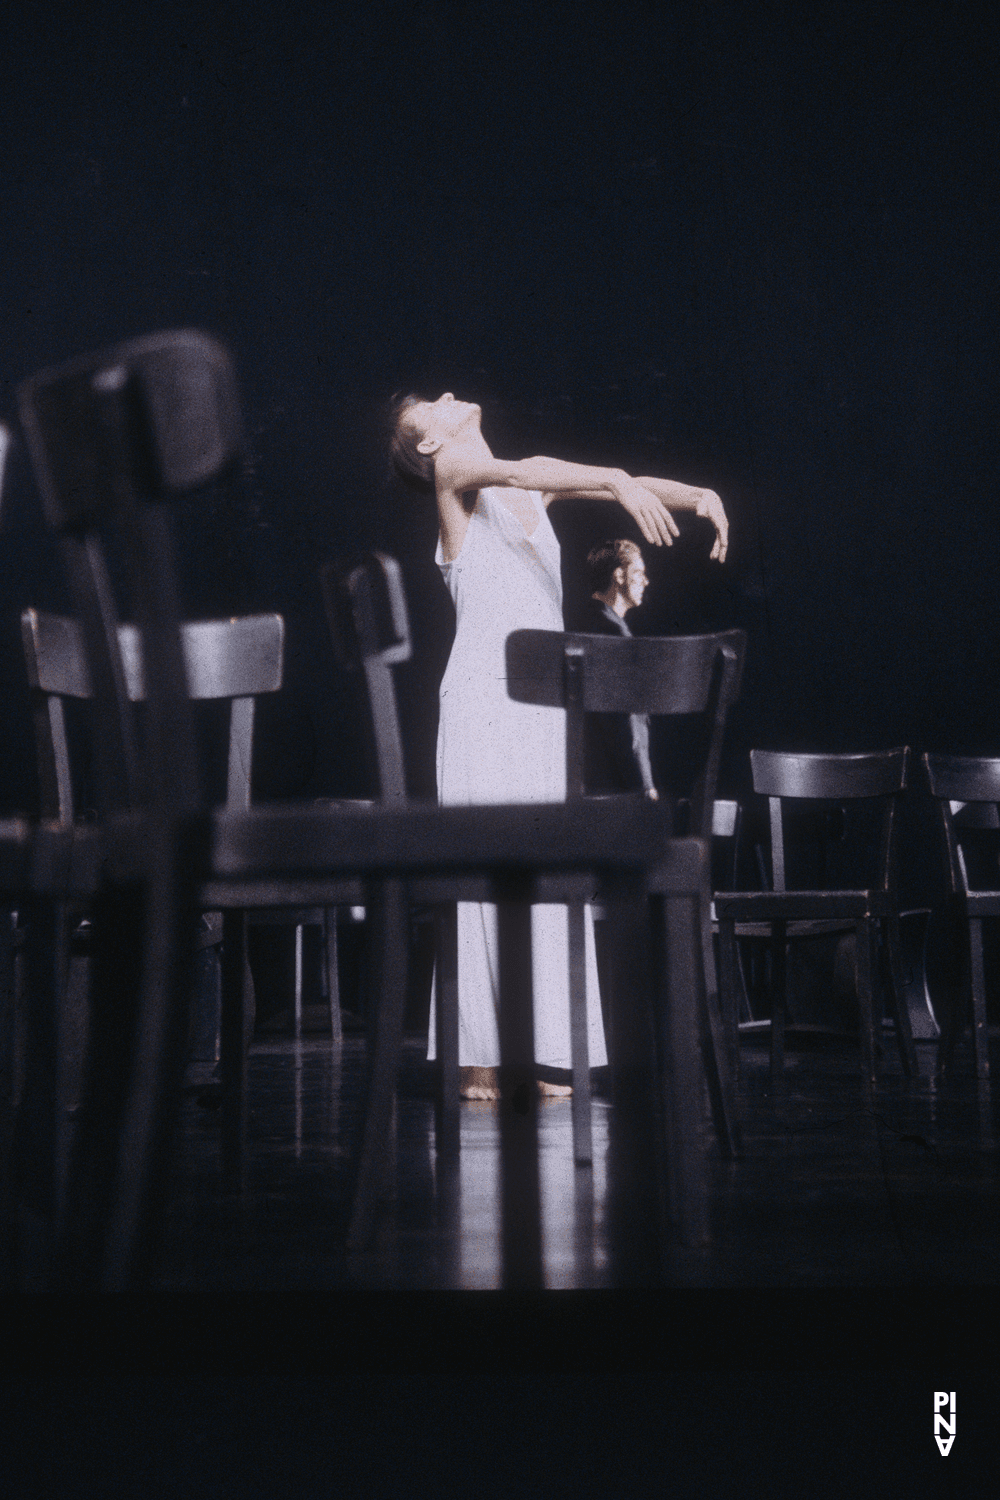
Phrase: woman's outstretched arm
{"type": "Point", "coordinates": [651, 500]}
{"type": "Point", "coordinates": [460, 472]}
{"type": "Point", "coordinates": [554, 477]}
{"type": "Point", "coordinates": [648, 500]}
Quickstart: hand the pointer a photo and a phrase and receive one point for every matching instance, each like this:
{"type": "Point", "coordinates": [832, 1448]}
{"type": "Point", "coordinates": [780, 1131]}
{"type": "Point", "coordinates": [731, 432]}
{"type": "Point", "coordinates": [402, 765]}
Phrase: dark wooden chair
{"type": "Point", "coordinates": [233, 660]}
{"type": "Point", "coordinates": [850, 803]}
{"type": "Point", "coordinates": [238, 660]}
{"type": "Point", "coordinates": [408, 854]}
{"type": "Point", "coordinates": [112, 437]}
{"type": "Point", "coordinates": [967, 789]}
{"type": "Point", "coordinates": [507, 855]}
{"type": "Point", "coordinates": [666, 675]}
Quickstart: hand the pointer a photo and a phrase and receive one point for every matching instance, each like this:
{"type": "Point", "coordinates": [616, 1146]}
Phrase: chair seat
{"type": "Point", "coordinates": [536, 852]}
{"type": "Point", "coordinates": [287, 916]}
{"type": "Point", "coordinates": [306, 844]}
{"type": "Point", "coordinates": [795, 929]}
{"type": "Point", "coordinates": [793, 906]}
{"type": "Point", "coordinates": [288, 897]}
{"type": "Point", "coordinates": [982, 903]}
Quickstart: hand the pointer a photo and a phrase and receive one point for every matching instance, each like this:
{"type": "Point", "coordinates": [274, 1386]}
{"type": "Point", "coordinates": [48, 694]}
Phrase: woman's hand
{"type": "Point", "coordinates": [710, 506]}
{"type": "Point", "coordinates": [649, 512]}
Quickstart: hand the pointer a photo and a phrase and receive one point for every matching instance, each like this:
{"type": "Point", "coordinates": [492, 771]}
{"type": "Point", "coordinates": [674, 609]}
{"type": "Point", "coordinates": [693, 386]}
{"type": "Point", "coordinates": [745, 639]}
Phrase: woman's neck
{"type": "Point", "coordinates": [470, 445]}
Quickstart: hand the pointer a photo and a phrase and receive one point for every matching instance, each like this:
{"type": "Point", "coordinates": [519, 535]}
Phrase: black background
{"type": "Point", "coordinates": [744, 246]}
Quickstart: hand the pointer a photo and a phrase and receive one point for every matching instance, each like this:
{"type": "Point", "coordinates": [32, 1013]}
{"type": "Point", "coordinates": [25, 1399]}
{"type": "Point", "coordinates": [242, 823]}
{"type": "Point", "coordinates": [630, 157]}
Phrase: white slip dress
{"type": "Point", "coordinates": [491, 749]}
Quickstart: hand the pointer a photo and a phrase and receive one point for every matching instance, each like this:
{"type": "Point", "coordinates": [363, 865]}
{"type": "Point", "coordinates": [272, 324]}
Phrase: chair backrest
{"type": "Point", "coordinates": [877, 776]}
{"type": "Point", "coordinates": [670, 675]}
{"type": "Point", "coordinates": [369, 627]}
{"type": "Point", "coordinates": [967, 789]}
{"type": "Point", "coordinates": [235, 659]}
{"type": "Point", "coordinates": [113, 437]}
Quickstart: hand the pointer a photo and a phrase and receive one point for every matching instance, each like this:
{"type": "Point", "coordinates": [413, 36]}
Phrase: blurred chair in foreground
{"type": "Point", "coordinates": [112, 438]}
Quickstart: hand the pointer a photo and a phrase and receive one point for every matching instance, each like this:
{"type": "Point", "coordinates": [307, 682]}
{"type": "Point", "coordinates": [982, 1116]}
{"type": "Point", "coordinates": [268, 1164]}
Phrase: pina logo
{"type": "Point", "coordinates": [944, 1420]}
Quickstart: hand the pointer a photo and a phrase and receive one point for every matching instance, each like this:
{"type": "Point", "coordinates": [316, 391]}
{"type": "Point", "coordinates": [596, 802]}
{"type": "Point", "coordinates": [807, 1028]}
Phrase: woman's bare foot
{"type": "Point", "coordinates": [483, 1083]}
{"type": "Point", "coordinates": [478, 1083]}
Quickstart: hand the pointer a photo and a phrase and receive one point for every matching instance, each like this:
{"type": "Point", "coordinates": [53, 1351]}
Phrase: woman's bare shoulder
{"type": "Point", "coordinates": [454, 513]}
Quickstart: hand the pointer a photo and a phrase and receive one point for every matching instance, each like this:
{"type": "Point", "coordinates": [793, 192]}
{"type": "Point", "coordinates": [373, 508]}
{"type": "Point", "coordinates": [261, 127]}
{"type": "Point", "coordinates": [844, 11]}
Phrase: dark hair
{"type": "Point", "coordinates": [603, 560]}
{"type": "Point", "coordinates": [414, 468]}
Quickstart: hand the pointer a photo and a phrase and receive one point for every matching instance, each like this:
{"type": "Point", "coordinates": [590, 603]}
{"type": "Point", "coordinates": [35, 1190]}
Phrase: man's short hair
{"type": "Point", "coordinates": [603, 560]}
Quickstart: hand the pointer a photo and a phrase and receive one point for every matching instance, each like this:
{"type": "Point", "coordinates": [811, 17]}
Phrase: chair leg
{"type": "Point", "coordinates": [896, 990]}
{"type": "Point", "coordinates": [447, 1124]}
{"type": "Point", "coordinates": [74, 1025]}
{"type": "Point", "coordinates": [715, 1049]}
{"type": "Point", "coordinates": [115, 980]}
{"type": "Point", "coordinates": [33, 1164]}
{"type": "Point", "coordinates": [447, 1104]}
{"type": "Point", "coordinates": [980, 1035]}
{"type": "Point", "coordinates": [583, 1145]}
{"type": "Point", "coordinates": [728, 967]}
{"type": "Point", "coordinates": [169, 945]}
{"type": "Point", "coordinates": [961, 965]}
{"type": "Point", "coordinates": [744, 1010]}
{"type": "Point", "coordinates": [332, 971]}
{"type": "Point", "coordinates": [866, 967]}
{"type": "Point", "coordinates": [682, 1074]}
{"type": "Point", "coordinates": [297, 1012]}
{"type": "Point", "coordinates": [779, 1000]}
{"type": "Point", "coordinates": [642, 1181]}
{"type": "Point", "coordinates": [389, 919]}
{"type": "Point", "coordinates": [232, 1040]}
{"type": "Point", "coordinates": [951, 1029]}
{"type": "Point", "coordinates": [521, 1217]}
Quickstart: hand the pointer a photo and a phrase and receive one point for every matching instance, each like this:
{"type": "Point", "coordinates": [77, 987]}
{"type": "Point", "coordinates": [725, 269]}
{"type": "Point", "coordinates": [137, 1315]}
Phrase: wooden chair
{"type": "Point", "coordinates": [833, 787]}
{"type": "Point", "coordinates": [234, 660]}
{"type": "Point", "coordinates": [967, 789]}
{"type": "Point", "coordinates": [112, 437]}
{"type": "Point", "coordinates": [408, 854]}
{"type": "Point", "coordinates": [507, 855]}
{"type": "Point", "coordinates": [669, 675]}
{"type": "Point", "coordinates": [239, 660]}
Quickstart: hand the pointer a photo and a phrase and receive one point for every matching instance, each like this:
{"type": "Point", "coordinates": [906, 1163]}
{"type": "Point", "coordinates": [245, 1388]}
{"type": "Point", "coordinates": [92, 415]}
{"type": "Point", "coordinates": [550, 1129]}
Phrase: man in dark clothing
{"type": "Point", "coordinates": [617, 745]}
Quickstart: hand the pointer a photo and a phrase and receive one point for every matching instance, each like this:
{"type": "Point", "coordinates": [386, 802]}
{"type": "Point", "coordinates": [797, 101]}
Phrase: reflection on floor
{"type": "Point", "coordinates": [835, 1187]}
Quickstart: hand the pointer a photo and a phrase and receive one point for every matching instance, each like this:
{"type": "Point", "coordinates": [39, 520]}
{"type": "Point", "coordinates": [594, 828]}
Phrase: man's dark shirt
{"type": "Point", "coordinates": [616, 746]}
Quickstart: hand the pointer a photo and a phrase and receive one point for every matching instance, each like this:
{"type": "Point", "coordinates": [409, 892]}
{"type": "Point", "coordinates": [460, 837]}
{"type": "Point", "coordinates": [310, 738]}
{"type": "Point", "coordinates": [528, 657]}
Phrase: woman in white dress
{"type": "Point", "coordinates": [500, 559]}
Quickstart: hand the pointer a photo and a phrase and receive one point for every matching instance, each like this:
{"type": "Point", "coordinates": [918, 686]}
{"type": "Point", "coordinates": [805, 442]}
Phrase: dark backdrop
{"type": "Point", "coordinates": [744, 246]}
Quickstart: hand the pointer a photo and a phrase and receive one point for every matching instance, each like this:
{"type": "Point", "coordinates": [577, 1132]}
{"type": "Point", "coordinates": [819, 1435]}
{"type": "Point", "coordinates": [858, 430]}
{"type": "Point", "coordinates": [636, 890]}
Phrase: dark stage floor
{"type": "Point", "coordinates": [836, 1188]}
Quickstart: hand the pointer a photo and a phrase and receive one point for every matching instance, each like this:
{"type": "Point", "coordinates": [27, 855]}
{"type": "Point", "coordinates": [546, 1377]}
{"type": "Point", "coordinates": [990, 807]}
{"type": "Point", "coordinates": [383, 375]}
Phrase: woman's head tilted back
{"type": "Point", "coordinates": [413, 467]}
